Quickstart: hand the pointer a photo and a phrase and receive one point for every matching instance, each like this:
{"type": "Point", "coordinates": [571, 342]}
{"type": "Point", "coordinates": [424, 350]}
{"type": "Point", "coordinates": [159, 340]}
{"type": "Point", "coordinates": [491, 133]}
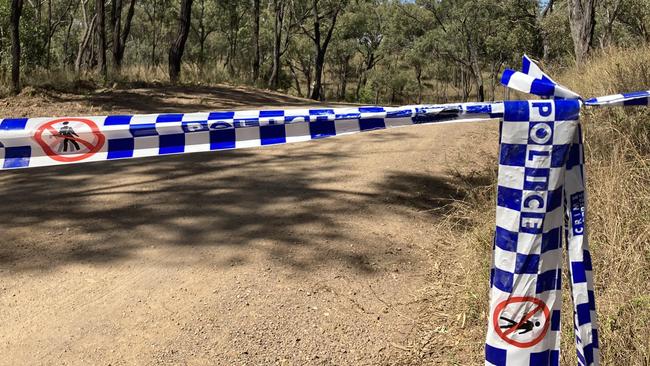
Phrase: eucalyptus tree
{"type": "Point", "coordinates": [323, 15]}
{"type": "Point", "coordinates": [582, 17]}
{"type": "Point", "coordinates": [178, 45]}
{"type": "Point", "coordinates": [16, 11]}
{"type": "Point", "coordinates": [120, 34]}
{"type": "Point", "coordinates": [101, 38]}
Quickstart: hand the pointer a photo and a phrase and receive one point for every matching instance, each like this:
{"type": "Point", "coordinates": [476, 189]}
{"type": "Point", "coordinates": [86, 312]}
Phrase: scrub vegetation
{"type": "Point", "coordinates": [617, 149]}
{"type": "Point", "coordinates": [384, 52]}
{"type": "Point", "coordinates": [365, 51]}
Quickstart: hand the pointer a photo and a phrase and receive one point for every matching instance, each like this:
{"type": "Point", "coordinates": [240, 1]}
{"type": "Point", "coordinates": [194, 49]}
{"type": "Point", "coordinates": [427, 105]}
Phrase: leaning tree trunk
{"type": "Point", "coordinates": [125, 32]}
{"type": "Point", "coordinates": [101, 39]}
{"type": "Point", "coordinates": [582, 17]}
{"type": "Point", "coordinates": [16, 10]}
{"type": "Point", "coordinates": [84, 45]}
{"type": "Point", "coordinates": [178, 46]}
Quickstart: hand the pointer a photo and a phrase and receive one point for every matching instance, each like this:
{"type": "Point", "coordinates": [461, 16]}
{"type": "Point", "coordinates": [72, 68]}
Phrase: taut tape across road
{"type": "Point", "coordinates": [36, 142]}
{"type": "Point", "coordinates": [541, 200]}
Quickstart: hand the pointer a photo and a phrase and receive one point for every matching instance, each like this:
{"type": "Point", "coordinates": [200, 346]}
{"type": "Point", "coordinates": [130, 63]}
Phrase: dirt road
{"type": "Point", "coordinates": [310, 253]}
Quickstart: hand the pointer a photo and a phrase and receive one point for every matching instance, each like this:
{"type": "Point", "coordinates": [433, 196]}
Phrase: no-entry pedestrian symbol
{"type": "Point", "coordinates": [521, 321]}
{"type": "Point", "coordinates": [69, 139]}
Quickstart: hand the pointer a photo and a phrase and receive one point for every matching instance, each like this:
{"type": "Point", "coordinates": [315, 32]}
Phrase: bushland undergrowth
{"type": "Point", "coordinates": [617, 154]}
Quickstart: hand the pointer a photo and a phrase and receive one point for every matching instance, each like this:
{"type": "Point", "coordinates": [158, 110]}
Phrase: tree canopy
{"type": "Point", "coordinates": [368, 51]}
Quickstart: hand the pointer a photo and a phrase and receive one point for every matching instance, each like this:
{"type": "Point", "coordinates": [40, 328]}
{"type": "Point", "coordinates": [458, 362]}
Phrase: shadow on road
{"type": "Point", "coordinates": [288, 204]}
{"type": "Point", "coordinates": [107, 212]}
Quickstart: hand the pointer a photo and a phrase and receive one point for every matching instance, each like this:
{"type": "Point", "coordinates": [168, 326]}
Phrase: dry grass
{"type": "Point", "coordinates": [216, 74]}
{"type": "Point", "coordinates": [617, 153]}
{"type": "Point", "coordinates": [617, 143]}
{"type": "Point", "coordinates": [617, 149]}
{"type": "Point", "coordinates": [69, 81]}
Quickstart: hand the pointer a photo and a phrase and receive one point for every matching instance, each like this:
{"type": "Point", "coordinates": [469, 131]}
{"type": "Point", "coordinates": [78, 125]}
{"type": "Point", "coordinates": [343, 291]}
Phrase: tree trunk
{"type": "Point", "coordinates": [16, 10]}
{"type": "Point", "coordinates": [320, 49]}
{"type": "Point", "coordinates": [125, 32]}
{"type": "Point", "coordinates": [480, 86]}
{"type": "Point", "coordinates": [153, 35]}
{"type": "Point", "coordinates": [319, 57]}
{"type": "Point", "coordinates": [116, 27]}
{"type": "Point", "coordinates": [476, 70]}
{"type": "Point", "coordinates": [418, 77]}
{"type": "Point", "coordinates": [278, 8]}
{"type": "Point", "coordinates": [201, 34]}
{"type": "Point", "coordinates": [344, 80]}
{"type": "Point", "coordinates": [49, 34]}
{"type": "Point", "coordinates": [66, 44]}
{"type": "Point", "coordinates": [233, 32]}
{"type": "Point", "coordinates": [101, 39]}
{"type": "Point", "coordinates": [120, 35]}
{"type": "Point", "coordinates": [295, 79]}
{"type": "Point", "coordinates": [84, 46]}
{"type": "Point", "coordinates": [610, 16]}
{"type": "Point", "coordinates": [319, 61]}
{"type": "Point", "coordinates": [2, 46]}
{"type": "Point", "coordinates": [178, 46]}
{"type": "Point", "coordinates": [546, 47]}
{"type": "Point", "coordinates": [256, 40]}
{"type": "Point", "coordinates": [582, 17]}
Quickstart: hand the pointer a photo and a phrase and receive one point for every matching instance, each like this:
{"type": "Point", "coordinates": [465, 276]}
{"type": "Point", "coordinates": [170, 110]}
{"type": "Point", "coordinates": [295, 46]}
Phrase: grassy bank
{"type": "Point", "coordinates": [617, 147]}
{"type": "Point", "coordinates": [617, 153]}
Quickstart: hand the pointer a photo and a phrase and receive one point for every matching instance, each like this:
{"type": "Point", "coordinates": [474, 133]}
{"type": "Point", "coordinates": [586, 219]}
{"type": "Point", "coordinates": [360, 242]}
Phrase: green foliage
{"type": "Point", "coordinates": [32, 38]}
{"type": "Point", "coordinates": [387, 51]}
{"type": "Point", "coordinates": [4, 37]}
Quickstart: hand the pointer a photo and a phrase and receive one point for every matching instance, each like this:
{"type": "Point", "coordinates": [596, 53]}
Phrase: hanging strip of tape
{"type": "Point", "coordinates": [540, 194]}
{"type": "Point", "coordinates": [540, 150]}
{"type": "Point", "coordinates": [540, 182]}
{"type": "Point", "coordinates": [541, 203]}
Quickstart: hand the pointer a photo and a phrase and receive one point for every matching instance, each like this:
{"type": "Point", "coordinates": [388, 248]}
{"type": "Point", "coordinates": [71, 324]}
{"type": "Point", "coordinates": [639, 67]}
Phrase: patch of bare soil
{"type": "Point", "coordinates": [312, 253]}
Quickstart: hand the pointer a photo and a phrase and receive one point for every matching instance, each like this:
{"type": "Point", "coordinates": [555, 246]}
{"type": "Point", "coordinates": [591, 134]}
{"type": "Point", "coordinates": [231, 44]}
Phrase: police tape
{"type": "Point", "coordinates": [36, 142]}
{"type": "Point", "coordinates": [541, 199]}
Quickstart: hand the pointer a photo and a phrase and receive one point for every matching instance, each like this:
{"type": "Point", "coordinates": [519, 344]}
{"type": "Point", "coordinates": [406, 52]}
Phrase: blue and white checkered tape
{"type": "Point", "coordinates": [533, 80]}
{"type": "Point", "coordinates": [540, 181]}
{"type": "Point", "coordinates": [33, 142]}
{"type": "Point", "coordinates": [541, 203]}
{"type": "Point", "coordinates": [640, 98]}
{"type": "Point", "coordinates": [541, 199]}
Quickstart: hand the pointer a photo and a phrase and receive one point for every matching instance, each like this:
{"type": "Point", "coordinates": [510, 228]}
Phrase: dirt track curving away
{"type": "Point", "coordinates": [310, 253]}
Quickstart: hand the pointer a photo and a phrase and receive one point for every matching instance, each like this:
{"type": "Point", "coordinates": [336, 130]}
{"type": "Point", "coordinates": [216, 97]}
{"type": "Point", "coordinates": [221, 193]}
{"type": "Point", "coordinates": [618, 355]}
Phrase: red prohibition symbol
{"type": "Point", "coordinates": [66, 135]}
{"type": "Point", "coordinates": [522, 324]}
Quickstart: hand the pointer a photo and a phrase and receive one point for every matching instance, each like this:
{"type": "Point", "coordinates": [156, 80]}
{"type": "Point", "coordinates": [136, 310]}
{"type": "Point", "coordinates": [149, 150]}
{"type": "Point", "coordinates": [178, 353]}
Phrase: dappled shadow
{"type": "Point", "coordinates": [289, 204]}
{"type": "Point", "coordinates": [246, 201]}
{"type": "Point", "coordinates": [423, 193]}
